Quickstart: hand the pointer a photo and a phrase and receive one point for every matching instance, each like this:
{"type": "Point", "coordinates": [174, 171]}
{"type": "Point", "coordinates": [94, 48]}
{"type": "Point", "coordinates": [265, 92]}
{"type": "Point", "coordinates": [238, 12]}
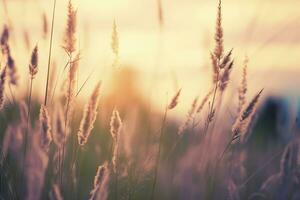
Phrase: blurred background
{"type": "Point", "coordinates": [175, 56]}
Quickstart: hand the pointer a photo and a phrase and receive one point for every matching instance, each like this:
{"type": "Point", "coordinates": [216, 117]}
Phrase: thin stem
{"type": "Point", "coordinates": [158, 156]}
{"type": "Point", "coordinates": [79, 162]}
{"type": "Point", "coordinates": [26, 131]}
{"type": "Point", "coordinates": [62, 163]}
{"type": "Point", "coordinates": [56, 81]}
{"type": "Point", "coordinates": [50, 52]}
{"type": "Point", "coordinates": [213, 102]}
{"type": "Point", "coordinates": [117, 172]}
{"type": "Point", "coordinates": [153, 83]}
{"type": "Point", "coordinates": [131, 181]}
{"type": "Point", "coordinates": [66, 121]}
{"type": "Point", "coordinates": [208, 120]}
{"type": "Point", "coordinates": [27, 126]}
{"type": "Point", "coordinates": [260, 169]}
{"type": "Point", "coordinates": [75, 152]}
{"type": "Point", "coordinates": [173, 148]}
{"type": "Point", "coordinates": [29, 102]}
{"type": "Point", "coordinates": [232, 139]}
{"type": "Point", "coordinates": [74, 160]}
{"type": "Point", "coordinates": [4, 120]}
{"type": "Point", "coordinates": [86, 80]}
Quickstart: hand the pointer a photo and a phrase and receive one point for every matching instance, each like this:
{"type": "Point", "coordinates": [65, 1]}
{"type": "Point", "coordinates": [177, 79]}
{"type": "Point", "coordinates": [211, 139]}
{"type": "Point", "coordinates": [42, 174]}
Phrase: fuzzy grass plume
{"type": "Point", "coordinates": [2, 87]}
{"type": "Point", "coordinates": [59, 133]}
{"type": "Point", "coordinates": [4, 39]}
{"type": "Point", "coordinates": [243, 86]}
{"type": "Point", "coordinates": [100, 183]}
{"type": "Point", "coordinates": [218, 52]}
{"type": "Point", "coordinates": [115, 125]}
{"type": "Point", "coordinates": [12, 69]}
{"type": "Point", "coordinates": [242, 123]}
{"type": "Point", "coordinates": [174, 101]}
{"type": "Point", "coordinates": [45, 26]}
{"type": "Point", "coordinates": [215, 68]}
{"type": "Point", "coordinates": [225, 77]}
{"type": "Point", "coordinates": [89, 116]}
{"type": "Point", "coordinates": [189, 117]}
{"type": "Point", "coordinates": [71, 86]}
{"type": "Point", "coordinates": [160, 13]}
{"type": "Point", "coordinates": [10, 62]}
{"type": "Point", "coordinates": [69, 36]}
{"type": "Point", "coordinates": [115, 44]}
{"type": "Point", "coordinates": [33, 65]}
{"type": "Point", "coordinates": [204, 101]}
{"type": "Point", "coordinates": [115, 128]}
{"type": "Point", "coordinates": [45, 128]}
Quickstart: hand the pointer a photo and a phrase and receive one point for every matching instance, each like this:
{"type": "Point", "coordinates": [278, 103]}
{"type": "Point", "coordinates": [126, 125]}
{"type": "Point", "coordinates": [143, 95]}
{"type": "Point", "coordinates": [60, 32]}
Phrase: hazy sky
{"type": "Point", "coordinates": [267, 31]}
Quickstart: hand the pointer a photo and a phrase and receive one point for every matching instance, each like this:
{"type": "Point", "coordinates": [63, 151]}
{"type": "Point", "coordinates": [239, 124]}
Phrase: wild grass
{"type": "Point", "coordinates": [116, 148]}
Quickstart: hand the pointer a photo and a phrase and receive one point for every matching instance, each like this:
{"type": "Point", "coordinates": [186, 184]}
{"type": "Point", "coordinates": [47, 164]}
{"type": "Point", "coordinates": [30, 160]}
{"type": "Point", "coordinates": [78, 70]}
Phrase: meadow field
{"type": "Point", "coordinates": [149, 100]}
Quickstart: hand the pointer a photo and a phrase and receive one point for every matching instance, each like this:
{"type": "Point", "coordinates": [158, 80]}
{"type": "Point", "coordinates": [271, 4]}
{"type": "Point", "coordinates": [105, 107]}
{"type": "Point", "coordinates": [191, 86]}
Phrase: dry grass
{"type": "Point", "coordinates": [89, 116]}
{"type": "Point", "coordinates": [48, 152]}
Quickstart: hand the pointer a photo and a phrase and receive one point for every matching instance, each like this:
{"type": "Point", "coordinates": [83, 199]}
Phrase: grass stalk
{"type": "Point", "coordinates": [27, 129]}
{"type": "Point", "coordinates": [57, 80]}
{"type": "Point", "coordinates": [156, 169]}
{"type": "Point", "coordinates": [50, 52]}
{"type": "Point", "coordinates": [116, 176]}
{"type": "Point", "coordinates": [66, 123]}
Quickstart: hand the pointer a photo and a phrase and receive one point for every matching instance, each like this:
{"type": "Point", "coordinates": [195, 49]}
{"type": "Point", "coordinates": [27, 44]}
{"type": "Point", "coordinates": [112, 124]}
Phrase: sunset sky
{"type": "Point", "coordinates": [267, 31]}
